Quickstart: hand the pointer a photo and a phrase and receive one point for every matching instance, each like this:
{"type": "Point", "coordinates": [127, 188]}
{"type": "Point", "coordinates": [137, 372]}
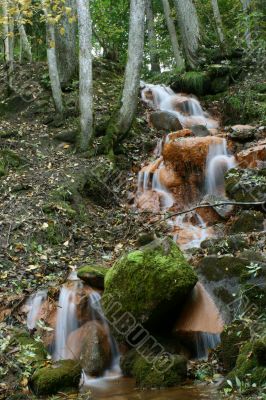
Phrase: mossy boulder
{"type": "Point", "coordinates": [248, 221]}
{"type": "Point", "coordinates": [249, 365]}
{"type": "Point", "coordinates": [246, 184]}
{"type": "Point", "coordinates": [60, 376]}
{"type": "Point", "coordinates": [197, 82]}
{"type": "Point", "coordinates": [232, 338]}
{"type": "Point", "coordinates": [151, 284]}
{"type": "Point", "coordinates": [93, 275]}
{"type": "Point", "coordinates": [156, 375]}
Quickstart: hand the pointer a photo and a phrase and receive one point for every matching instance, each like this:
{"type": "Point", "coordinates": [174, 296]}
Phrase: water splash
{"type": "Point", "coordinates": [35, 303]}
{"type": "Point", "coordinates": [218, 162]}
{"type": "Point", "coordinates": [191, 230]}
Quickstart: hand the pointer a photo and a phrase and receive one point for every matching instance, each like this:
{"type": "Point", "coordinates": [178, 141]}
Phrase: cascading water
{"type": "Point", "coordinates": [66, 321]}
{"type": "Point", "coordinates": [34, 305]}
{"type": "Point", "coordinates": [218, 163]}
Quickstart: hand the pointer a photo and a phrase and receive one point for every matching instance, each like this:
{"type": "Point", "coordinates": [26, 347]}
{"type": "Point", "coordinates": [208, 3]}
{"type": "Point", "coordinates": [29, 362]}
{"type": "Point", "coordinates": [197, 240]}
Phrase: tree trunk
{"type": "Point", "coordinates": [52, 64]}
{"type": "Point", "coordinates": [5, 30]}
{"type": "Point", "coordinates": [155, 64]}
{"type": "Point", "coordinates": [25, 47]}
{"type": "Point", "coordinates": [121, 121]}
{"type": "Point", "coordinates": [218, 21]}
{"type": "Point", "coordinates": [8, 32]}
{"type": "Point", "coordinates": [245, 6]}
{"type": "Point", "coordinates": [85, 74]}
{"type": "Point", "coordinates": [172, 33]}
{"type": "Point", "coordinates": [190, 30]}
{"type": "Point", "coordinates": [66, 50]}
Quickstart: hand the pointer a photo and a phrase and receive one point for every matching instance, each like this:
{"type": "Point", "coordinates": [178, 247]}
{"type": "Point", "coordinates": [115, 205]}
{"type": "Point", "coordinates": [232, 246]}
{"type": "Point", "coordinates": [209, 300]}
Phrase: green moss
{"type": "Point", "coordinates": [233, 336]}
{"type": "Point", "coordinates": [2, 168]}
{"type": "Point", "coordinates": [197, 82]}
{"type": "Point", "coordinates": [127, 362]}
{"type": "Point", "coordinates": [150, 282]}
{"type": "Point", "coordinates": [62, 375]}
{"type": "Point", "coordinates": [154, 375]}
{"type": "Point", "coordinates": [93, 275]}
{"type": "Point", "coordinates": [247, 365]}
{"type": "Point", "coordinates": [8, 158]}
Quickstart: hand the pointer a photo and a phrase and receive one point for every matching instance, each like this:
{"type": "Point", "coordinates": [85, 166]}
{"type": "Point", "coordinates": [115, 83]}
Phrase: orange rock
{"type": "Point", "coordinates": [179, 134]}
{"type": "Point", "coordinates": [149, 201]}
{"type": "Point", "coordinates": [188, 153]}
{"type": "Point", "coordinates": [252, 157]}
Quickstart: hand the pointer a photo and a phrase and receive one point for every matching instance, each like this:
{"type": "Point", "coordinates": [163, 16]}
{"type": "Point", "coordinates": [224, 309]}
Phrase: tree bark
{"type": "Point", "coordinates": [66, 49]}
{"type": "Point", "coordinates": [218, 21]}
{"type": "Point", "coordinates": [120, 123]}
{"type": "Point", "coordinates": [5, 30]}
{"type": "Point", "coordinates": [245, 6]}
{"type": "Point", "coordinates": [85, 74]}
{"type": "Point", "coordinates": [155, 64]}
{"type": "Point", "coordinates": [172, 33]}
{"type": "Point", "coordinates": [25, 47]}
{"type": "Point", "coordinates": [52, 64]}
{"type": "Point", "coordinates": [190, 30]}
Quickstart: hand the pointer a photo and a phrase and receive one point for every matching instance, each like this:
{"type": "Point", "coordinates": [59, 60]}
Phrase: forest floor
{"type": "Point", "coordinates": [50, 220]}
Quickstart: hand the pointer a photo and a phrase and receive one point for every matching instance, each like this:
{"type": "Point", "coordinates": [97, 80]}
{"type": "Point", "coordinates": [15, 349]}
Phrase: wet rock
{"type": "Point", "coordinates": [242, 133]}
{"type": "Point", "coordinates": [248, 221]}
{"type": "Point", "coordinates": [253, 157]}
{"type": "Point", "coordinates": [246, 185]}
{"type": "Point", "coordinates": [164, 371]}
{"type": "Point", "coordinates": [179, 134]}
{"type": "Point", "coordinates": [93, 275]}
{"type": "Point", "coordinates": [150, 284]}
{"type": "Point", "coordinates": [249, 363]}
{"type": "Point", "coordinates": [59, 376]}
{"type": "Point", "coordinates": [188, 153]}
{"type": "Point", "coordinates": [95, 353]}
{"type": "Point", "coordinates": [222, 210]}
{"type": "Point", "coordinates": [165, 121]}
{"type": "Point", "coordinates": [225, 245]}
{"type": "Point", "coordinates": [200, 130]}
{"type": "Point", "coordinates": [66, 136]}
{"type": "Point", "coordinates": [231, 340]}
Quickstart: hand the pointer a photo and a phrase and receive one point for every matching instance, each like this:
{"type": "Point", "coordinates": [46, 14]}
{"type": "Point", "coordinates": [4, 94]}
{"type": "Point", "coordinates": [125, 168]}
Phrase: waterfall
{"type": "Point", "coordinates": [166, 197]}
{"type": "Point", "coordinates": [186, 108]}
{"type": "Point", "coordinates": [66, 321]}
{"type": "Point", "coordinates": [35, 304]}
{"type": "Point", "coordinates": [218, 162]}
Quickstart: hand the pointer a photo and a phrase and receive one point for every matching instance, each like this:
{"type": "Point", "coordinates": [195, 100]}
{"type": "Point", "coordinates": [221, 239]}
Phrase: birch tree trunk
{"type": "Point", "coordinates": [172, 33]}
{"type": "Point", "coordinates": [245, 6]}
{"type": "Point", "coordinates": [25, 47]}
{"type": "Point", "coordinates": [52, 63]}
{"type": "Point", "coordinates": [5, 30]}
{"type": "Point", "coordinates": [66, 50]}
{"type": "Point", "coordinates": [85, 74]}
{"type": "Point", "coordinates": [218, 21]}
{"type": "Point", "coordinates": [190, 30]}
{"type": "Point", "coordinates": [121, 121]}
{"type": "Point", "coordinates": [155, 64]}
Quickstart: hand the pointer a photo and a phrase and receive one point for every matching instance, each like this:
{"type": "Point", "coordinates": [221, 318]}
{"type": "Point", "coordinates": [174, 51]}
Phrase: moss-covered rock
{"type": "Point", "coordinates": [248, 221]}
{"type": "Point", "coordinates": [10, 159]}
{"type": "Point", "coordinates": [62, 375]}
{"type": "Point", "coordinates": [197, 82]}
{"type": "Point", "coordinates": [225, 245]}
{"type": "Point", "coordinates": [151, 283]}
{"type": "Point", "coordinates": [155, 375]}
{"type": "Point", "coordinates": [93, 275]}
{"type": "Point", "coordinates": [233, 336]}
{"type": "Point", "coordinates": [246, 184]}
{"type": "Point", "coordinates": [127, 362]}
{"type": "Point", "coordinates": [59, 206]}
{"type": "Point", "coordinates": [248, 366]}
{"type": "Point", "coordinates": [216, 268]}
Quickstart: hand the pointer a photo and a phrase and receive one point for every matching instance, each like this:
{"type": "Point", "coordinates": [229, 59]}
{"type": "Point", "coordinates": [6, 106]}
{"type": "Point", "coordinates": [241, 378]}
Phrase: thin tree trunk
{"type": "Point", "coordinates": [52, 64]}
{"type": "Point", "coordinates": [5, 30]}
{"type": "Point", "coordinates": [66, 49]}
{"type": "Point", "coordinates": [190, 30]}
{"type": "Point", "coordinates": [172, 33]}
{"type": "Point", "coordinates": [155, 64]}
{"type": "Point", "coordinates": [85, 74]}
{"type": "Point", "coordinates": [122, 120]}
{"type": "Point", "coordinates": [218, 21]}
{"type": "Point", "coordinates": [245, 6]}
{"type": "Point", "coordinates": [25, 46]}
